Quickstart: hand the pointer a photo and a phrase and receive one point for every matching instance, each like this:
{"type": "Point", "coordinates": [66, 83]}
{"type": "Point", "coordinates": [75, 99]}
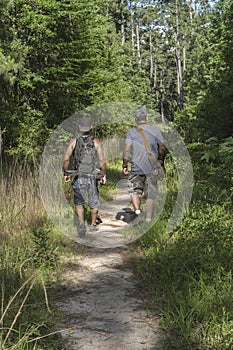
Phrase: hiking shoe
{"type": "Point", "coordinates": [82, 230]}
{"type": "Point", "coordinates": [93, 228]}
{"type": "Point", "coordinates": [98, 221]}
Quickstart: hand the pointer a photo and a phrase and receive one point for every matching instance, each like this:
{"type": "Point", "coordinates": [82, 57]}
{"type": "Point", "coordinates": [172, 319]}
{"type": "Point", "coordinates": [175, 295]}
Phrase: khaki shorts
{"type": "Point", "coordinates": [146, 184]}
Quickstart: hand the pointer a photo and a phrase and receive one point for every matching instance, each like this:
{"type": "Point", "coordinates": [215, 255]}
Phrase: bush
{"type": "Point", "coordinates": [189, 273]}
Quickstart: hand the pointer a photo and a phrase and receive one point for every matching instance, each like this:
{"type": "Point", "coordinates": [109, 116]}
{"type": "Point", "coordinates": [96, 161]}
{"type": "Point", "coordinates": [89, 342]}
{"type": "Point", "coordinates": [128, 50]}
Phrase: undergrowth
{"type": "Point", "coordinates": [29, 263]}
{"type": "Point", "coordinates": [188, 274]}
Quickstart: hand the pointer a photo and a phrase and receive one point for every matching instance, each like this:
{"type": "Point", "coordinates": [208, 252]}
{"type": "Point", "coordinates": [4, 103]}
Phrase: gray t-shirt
{"type": "Point", "coordinates": [139, 162]}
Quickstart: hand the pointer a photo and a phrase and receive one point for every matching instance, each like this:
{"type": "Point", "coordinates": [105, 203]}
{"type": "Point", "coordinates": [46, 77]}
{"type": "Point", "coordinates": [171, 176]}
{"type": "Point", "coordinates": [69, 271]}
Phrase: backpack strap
{"type": "Point", "coordinates": [75, 151]}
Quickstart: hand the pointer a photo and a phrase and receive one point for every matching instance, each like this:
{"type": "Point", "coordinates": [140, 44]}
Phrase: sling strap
{"type": "Point", "coordinates": [158, 171]}
{"type": "Point", "coordinates": [145, 141]}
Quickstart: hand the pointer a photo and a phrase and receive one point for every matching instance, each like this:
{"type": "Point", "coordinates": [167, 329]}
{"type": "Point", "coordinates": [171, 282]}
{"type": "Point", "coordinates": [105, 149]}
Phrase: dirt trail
{"type": "Point", "coordinates": [101, 306]}
{"type": "Point", "coordinates": [99, 300]}
{"type": "Point", "coordinates": [116, 215]}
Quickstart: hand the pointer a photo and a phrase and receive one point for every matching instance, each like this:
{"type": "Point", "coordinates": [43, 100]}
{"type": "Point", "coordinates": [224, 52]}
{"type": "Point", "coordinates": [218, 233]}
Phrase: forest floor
{"type": "Point", "coordinates": [100, 302]}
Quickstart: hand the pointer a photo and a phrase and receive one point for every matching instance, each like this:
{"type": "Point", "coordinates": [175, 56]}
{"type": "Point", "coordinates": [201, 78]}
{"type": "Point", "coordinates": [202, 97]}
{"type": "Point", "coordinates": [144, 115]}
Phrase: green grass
{"type": "Point", "coordinates": [29, 262]}
{"type": "Point", "coordinates": [187, 275]}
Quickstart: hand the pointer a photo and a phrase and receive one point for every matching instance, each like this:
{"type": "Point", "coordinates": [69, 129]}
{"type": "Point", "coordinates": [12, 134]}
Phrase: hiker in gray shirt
{"type": "Point", "coordinates": [140, 176]}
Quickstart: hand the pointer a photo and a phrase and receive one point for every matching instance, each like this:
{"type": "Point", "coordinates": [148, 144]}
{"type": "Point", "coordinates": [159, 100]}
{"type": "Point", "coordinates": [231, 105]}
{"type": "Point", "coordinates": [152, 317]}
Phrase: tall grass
{"type": "Point", "coordinates": [188, 274]}
{"type": "Point", "coordinates": [20, 204]}
{"type": "Point", "coordinates": [28, 260]}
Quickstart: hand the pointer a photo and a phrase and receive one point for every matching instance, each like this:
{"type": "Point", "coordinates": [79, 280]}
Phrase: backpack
{"type": "Point", "coordinates": [85, 155]}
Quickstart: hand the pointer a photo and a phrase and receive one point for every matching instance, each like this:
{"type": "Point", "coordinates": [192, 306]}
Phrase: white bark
{"type": "Point", "coordinates": [162, 97]}
{"type": "Point", "coordinates": [151, 57]}
{"type": "Point", "coordinates": [178, 61]}
{"type": "Point", "coordinates": [122, 26]}
{"type": "Point", "coordinates": [184, 59]}
{"type": "Point", "coordinates": [132, 27]}
{"type": "Point", "coordinates": [138, 44]}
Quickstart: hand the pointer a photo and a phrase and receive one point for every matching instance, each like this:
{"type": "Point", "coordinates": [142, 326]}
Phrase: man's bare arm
{"type": "Point", "coordinates": [161, 149]}
{"type": "Point", "coordinates": [101, 157]}
{"type": "Point", "coordinates": [68, 154]}
{"type": "Point", "coordinates": [126, 154]}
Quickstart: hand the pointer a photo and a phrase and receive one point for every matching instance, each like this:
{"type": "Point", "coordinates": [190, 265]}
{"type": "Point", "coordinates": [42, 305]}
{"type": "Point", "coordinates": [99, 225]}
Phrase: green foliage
{"type": "Point", "coordinates": [29, 260]}
{"type": "Point", "coordinates": [25, 310]}
{"type": "Point", "coordinates": [56, 58]}
{"type": "Point", "coordinates": [113, 174]}
{"type": "Point", "coordinates": [208, 85]}
{"type": "Point", "coordinates": [212, 162]}
{"type": "Point", "coordinates": [189, 273]}
{"type": "Point", "coordinates": [59, 57]}
{"type": "Point", "coordinates": [215, 111]}
{"type": "Point", "coordinates": [28, 144]}
{"type": "Point", "coordinates": [45, 253]}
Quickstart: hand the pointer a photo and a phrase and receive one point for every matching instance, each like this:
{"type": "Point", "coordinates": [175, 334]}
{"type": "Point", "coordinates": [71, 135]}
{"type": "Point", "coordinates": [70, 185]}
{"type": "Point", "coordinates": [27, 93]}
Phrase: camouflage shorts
{"type": "Point", "coordinates": [86, 187]}
{"type": "Point", "coordinates": [143, 184]}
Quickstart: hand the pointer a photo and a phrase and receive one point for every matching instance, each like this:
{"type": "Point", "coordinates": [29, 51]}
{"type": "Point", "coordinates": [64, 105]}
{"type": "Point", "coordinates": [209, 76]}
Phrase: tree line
{"type": "Point", "coordinates": [57, 57]}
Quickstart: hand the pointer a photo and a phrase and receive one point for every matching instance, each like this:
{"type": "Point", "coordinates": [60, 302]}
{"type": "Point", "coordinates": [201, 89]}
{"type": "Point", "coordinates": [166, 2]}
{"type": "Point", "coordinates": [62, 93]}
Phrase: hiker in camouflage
{"type": "Point", "coordinates": [88, 155]}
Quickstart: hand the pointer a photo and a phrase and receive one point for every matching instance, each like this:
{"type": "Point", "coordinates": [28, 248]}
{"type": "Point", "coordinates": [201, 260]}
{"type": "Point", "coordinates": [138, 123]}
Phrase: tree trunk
{"type": "Point", "coordinates": [155, 76]}
{"type": "Point", "coordinates": [0, 143]}
{"type": "Point", "coordinates": [138, 44]}
{"type": "Point", "coordinates": [184, 59]}
{"type": "Point", "coordinates": [132, 27]}
{"type": "Point", "coordinates": [178, 62]}
{"type": "Point", "coordinates": [151, 58]}
{"type": "Point", "coordinates": [162, 97]}
{"type": "Point", "coordinates": [122, 25]}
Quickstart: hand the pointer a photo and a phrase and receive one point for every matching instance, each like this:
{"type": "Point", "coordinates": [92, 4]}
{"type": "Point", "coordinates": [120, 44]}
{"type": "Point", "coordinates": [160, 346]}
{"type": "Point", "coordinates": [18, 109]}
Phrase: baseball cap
{"type": "Point", "coordinates": [141, 114]}
{"type": "Point", "coordinates": [85, 124]}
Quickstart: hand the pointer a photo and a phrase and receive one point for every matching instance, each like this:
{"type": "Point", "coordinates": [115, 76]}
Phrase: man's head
{"type": "Point", "coordinates": [85, 125]}
{"type": "Point", "coordinates": [140, 116]}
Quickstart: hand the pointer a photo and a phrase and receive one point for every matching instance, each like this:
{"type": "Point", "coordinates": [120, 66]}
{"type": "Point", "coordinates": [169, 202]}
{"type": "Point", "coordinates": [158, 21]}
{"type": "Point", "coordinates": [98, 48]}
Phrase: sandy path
{"type": "Point", "coordinates": [116, 215]}
{"type": "Point", "coordinates": [101, 306]}
{"type": "Point", "coordinates": [100, 303]}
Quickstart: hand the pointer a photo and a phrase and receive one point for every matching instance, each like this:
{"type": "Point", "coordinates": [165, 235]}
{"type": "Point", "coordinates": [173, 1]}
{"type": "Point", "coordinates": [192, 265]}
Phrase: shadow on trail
{"type": "Point", "coordinates": [101, 305]}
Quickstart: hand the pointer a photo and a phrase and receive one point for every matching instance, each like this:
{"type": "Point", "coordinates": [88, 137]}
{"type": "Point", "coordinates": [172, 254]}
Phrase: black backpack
{"type": "Point", "coordinates": [85, 155]}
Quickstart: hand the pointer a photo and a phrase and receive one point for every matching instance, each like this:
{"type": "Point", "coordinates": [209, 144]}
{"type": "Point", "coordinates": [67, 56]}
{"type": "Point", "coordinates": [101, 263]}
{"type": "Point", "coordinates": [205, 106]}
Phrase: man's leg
{"type": "Point", "coordinates": [79, 199]}
{"type": "Point", "coordinates": [151, 193]}
{"type": "Point", "coordinates": [93, 202]}
{"type": "Point", "coordinates": [98, 219]}
{"type": "Point", "coordinates": [80, 213]}
{"type": "Point", "coordinates": [80, 188]}
{"type": "Point", "coordinates": [137, 183]}
{"type": "Point", "coordinates": [136, 201]}
{"type": "Point", "coordinates": [149, 209]}
{"type": "Point", "coordinates": [94, 212]}
{"type": "Point", "coordinates": [79, 209]}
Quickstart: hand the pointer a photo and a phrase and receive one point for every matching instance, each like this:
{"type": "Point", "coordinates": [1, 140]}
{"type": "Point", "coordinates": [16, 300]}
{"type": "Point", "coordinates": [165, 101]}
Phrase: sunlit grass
{"type": "Point", "coordinates": [20, 203]}
{"type": "Point", "coordinates": [188, 275]}
{"type": "Point", "coordinates": [28, 260]}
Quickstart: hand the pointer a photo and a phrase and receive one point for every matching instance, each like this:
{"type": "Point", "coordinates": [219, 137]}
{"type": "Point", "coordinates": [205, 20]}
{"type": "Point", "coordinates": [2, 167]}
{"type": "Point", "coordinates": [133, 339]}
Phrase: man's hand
{"type": "Point", "coordinates": [103, 180]}
{"type": "Point", "coordinates": [125, 168]}
{"type": "Point", "coordinates": [125, 158]}
{"type": "Point", "coordinates": [125, 171]}
{"type": "Point", "coordinates": [67, 178]}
